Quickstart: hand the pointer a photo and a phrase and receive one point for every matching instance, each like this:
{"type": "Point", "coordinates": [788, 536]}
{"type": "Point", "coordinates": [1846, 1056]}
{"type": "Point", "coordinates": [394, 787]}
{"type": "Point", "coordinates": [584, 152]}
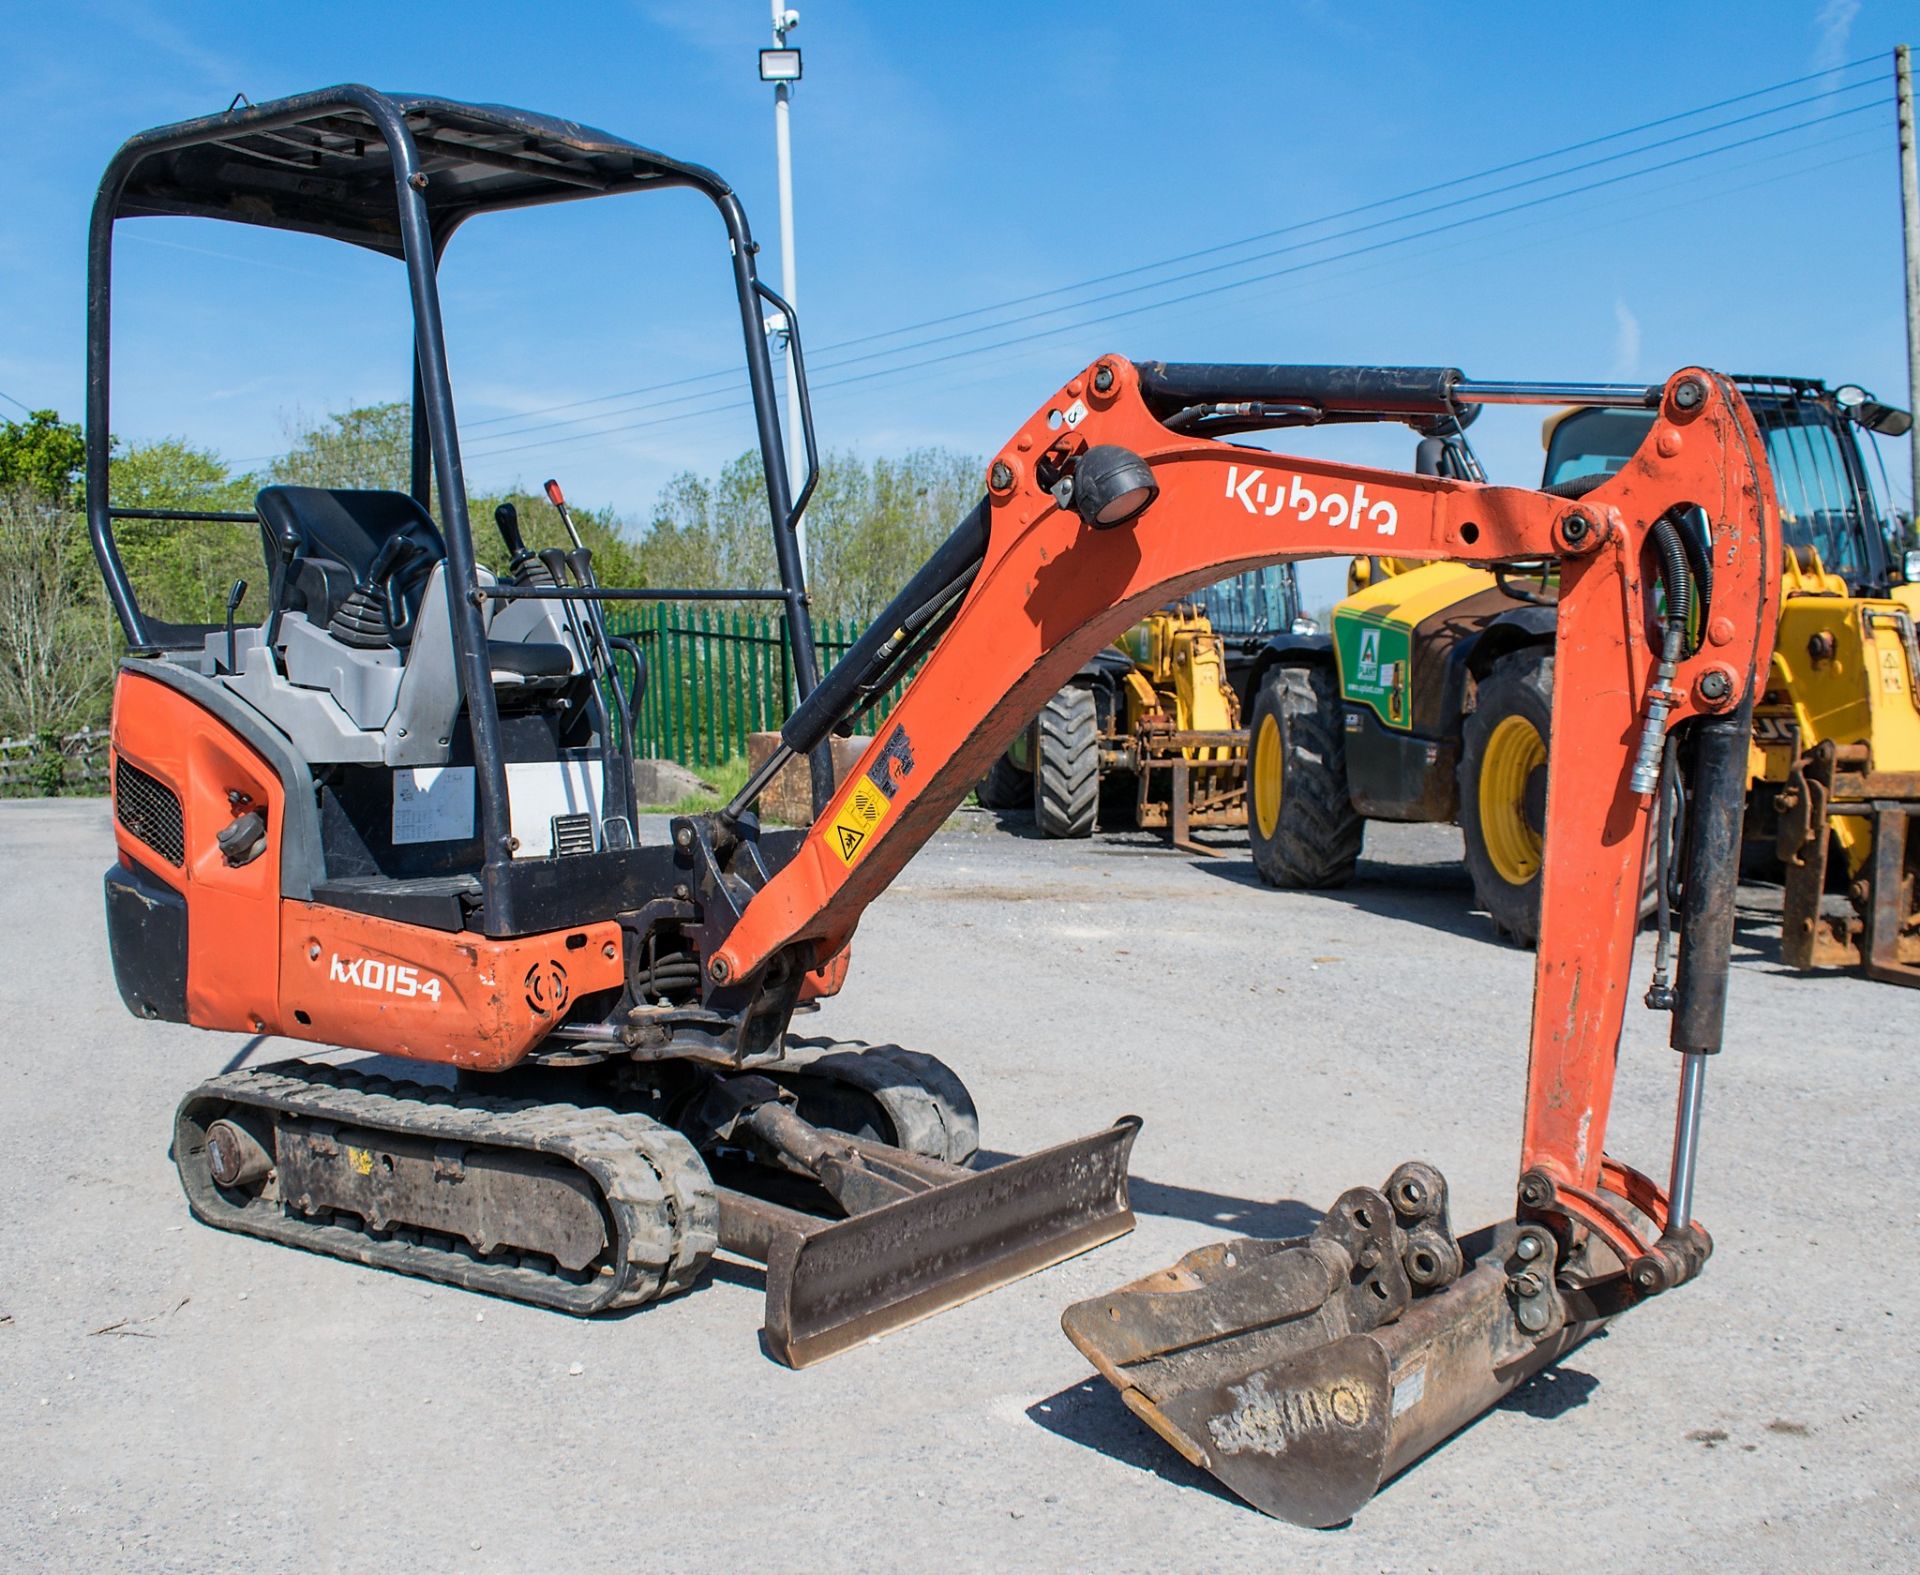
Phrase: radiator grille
{"type": "Point", "coordinates": [572, 834]}
{"type": "Point", "coordinates": [150, 810]}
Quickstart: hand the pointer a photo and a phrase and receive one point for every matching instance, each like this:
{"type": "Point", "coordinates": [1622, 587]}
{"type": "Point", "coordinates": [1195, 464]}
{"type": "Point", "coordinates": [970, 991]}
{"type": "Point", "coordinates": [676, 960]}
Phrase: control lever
{"type": "Point", "coordinates": [580, 562]}
{"type": "Point", "coordinates": [233, 606]}
{"type": "Point", "coordinates": [523, 564]}
{"type": "Point", "coordinates": [383, 580]}
{"type": "Point", "coordinates": [616, 782]}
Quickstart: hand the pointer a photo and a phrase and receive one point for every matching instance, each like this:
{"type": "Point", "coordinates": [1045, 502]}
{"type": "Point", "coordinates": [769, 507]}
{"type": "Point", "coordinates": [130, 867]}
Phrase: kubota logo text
{"type": "Point", "coordinates": [1259, 496]}
{"type": "Point", "coordinates": [369, 973]}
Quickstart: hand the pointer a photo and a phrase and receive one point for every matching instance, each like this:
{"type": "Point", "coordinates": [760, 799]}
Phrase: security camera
{"type": "Point", "coordinates": [789, 20]}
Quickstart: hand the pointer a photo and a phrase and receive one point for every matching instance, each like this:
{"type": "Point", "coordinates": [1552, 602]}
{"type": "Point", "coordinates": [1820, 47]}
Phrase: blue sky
{"type": "Point", "coordinates": [952, 158]}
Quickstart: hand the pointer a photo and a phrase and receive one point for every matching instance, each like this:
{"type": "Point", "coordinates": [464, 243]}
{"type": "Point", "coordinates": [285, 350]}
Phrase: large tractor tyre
{"type": "Point", "coordinates": [1503, 790]}
{"type": "Point", "coordinates": [1008, 785]}
{"type": "Point", "coordinates": [1066, 764]}
{"type": "Point", "coordinates": [1300, 819]}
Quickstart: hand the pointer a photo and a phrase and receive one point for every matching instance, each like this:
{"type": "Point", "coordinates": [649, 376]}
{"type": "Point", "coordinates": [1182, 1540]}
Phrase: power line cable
{"type": "Point", "coordinates": [1288, 229]}
{"type": "Point", "coordinates": [1221, 267]}
{"type": "Point", "coordinates": [480, 450]}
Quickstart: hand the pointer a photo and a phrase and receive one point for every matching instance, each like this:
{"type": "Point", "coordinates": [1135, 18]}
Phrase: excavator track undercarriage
{"type": "Point", "coordinates": [584, 1210]}
{"type": "Point", "coordinates": [591, 1205]}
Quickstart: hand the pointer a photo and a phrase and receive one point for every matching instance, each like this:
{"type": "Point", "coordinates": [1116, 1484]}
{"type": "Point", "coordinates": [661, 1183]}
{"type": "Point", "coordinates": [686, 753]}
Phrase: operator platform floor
{"type": "Point", "coordinates": [175, 1398]}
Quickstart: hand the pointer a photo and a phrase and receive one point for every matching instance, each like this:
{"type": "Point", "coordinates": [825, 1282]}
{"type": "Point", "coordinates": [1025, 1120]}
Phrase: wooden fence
{"type": "Point", "coordinates": [54, 763]}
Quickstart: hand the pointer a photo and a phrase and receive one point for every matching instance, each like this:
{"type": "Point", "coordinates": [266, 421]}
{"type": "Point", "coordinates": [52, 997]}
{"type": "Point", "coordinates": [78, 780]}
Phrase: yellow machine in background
{"type": "Point", "coordinates": [1838, 735]}
{"type": "Point", "coordinates": [1149, 733]}
{"type": "Point", "coordinates": [1182, 740]}
{"type": "Point", "coordinates": [1433, 697]}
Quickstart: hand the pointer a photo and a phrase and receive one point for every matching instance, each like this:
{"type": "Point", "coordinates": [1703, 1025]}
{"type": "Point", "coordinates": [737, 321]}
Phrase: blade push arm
{"type": "Point", "coordinates": [1049, 590]}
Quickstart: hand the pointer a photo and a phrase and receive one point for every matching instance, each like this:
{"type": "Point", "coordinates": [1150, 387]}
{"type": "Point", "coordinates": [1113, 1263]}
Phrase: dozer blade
{"type": "Point", "coordinates": [1303, 1373]}
{"type": "Point", "coordinates": [833, 1284]}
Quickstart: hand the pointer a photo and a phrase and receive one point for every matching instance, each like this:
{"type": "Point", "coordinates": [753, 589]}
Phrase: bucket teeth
{"type": "Point", "coordinates": [1302, 1373]}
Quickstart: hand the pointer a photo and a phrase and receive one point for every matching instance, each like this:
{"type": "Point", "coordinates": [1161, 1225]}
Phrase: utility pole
{"type": "Point", "coordinates": [1910, 223]}
{"type": "Point", "coordinates": [780, 65]}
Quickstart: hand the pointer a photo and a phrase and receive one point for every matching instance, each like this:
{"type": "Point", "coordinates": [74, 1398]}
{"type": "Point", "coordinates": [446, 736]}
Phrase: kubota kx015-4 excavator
{"type": "Point", "coordinates": [287, 867]}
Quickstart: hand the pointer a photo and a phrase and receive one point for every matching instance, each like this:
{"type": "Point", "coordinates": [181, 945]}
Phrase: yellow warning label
{"type": "Point", "coordinates": [859, 817]}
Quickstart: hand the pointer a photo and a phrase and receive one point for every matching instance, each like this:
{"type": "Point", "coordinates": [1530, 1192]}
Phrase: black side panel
{"type": "Point", "coordinates": [1399, 776]}
{"type": "Point", "coordinates": [147, 935]}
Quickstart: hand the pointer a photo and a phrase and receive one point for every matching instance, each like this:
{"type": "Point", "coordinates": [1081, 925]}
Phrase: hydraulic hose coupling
{"type": "Point", "coordinates": [1653, 734]}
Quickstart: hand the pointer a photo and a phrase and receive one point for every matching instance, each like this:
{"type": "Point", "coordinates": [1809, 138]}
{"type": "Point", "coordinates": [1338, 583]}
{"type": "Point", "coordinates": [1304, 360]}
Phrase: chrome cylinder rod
{"type": "Point", "coordinates": [1632, 396]}
{"type": "Point", "coordinates": [1686, 1140]}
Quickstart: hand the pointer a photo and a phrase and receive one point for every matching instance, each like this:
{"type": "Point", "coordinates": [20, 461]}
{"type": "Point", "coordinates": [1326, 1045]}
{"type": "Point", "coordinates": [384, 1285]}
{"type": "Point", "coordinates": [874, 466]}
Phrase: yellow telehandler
{"type": "Point", "coordinates": [1430, 697]}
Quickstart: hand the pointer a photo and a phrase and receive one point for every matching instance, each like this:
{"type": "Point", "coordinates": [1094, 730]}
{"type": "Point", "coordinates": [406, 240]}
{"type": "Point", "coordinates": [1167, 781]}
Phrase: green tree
{"type": "Point", "coordinates": [869, 527]}
{"type": "Point", "coordinates": [43, 453]}
{"type": "Point", "coordinates": [56, 642]}
{"type": "Point", "coordinates": [182, 570]}
{"type": "Point", "coordinates": [368, 447]}
{"type": "Point", "coordinates": [705, 534]}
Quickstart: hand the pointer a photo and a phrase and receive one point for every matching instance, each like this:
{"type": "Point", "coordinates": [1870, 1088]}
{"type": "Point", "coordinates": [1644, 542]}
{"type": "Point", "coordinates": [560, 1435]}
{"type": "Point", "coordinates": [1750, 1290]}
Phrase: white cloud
{"type": "Point", "coordinates": [1834, 21]}
{"type": "Point", "coordinates": [1626, 340]}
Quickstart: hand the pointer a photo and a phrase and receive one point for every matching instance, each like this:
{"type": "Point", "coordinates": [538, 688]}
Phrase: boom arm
{"type": "Point", "coordinates": [1050, 590]}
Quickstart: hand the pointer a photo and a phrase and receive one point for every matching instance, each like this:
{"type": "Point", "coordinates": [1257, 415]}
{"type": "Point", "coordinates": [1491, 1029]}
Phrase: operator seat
{"type": "Point", "coordinates": [356, 562]}
{"type": "Point", "coordinates": [324, 543]}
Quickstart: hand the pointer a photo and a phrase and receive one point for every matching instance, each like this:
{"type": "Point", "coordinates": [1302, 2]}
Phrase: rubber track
{"type": "Point", "coordinates": [651, 1182]}
{"type": "Point", "coordinates": [1317, 841]}
{"type": "Point", "coordinates": [1066, 764]}
{"type": "Point", "coordinates": [932, 1113]}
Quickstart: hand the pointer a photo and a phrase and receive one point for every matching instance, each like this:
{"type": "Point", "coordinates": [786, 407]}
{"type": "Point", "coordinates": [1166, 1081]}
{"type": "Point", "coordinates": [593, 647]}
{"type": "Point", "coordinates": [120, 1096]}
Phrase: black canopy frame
{"type": "Point", "coordinates": [399, 174]}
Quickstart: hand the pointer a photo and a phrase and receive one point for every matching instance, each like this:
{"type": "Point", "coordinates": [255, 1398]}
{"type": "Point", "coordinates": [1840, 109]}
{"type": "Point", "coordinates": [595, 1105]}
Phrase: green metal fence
{"type": "Point", "coordinates": [714, 676]}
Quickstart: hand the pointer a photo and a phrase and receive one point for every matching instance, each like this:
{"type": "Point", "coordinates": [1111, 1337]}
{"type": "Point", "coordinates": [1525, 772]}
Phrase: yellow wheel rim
{"type": "Point", "coordinates": [1514, 752]}
{"type": "Point", "coordinates": [1266, 775]}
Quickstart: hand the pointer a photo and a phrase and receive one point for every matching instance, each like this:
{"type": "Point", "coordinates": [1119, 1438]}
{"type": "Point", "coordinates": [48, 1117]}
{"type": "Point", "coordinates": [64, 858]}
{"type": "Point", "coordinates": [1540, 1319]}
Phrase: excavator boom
{"type": "Point", "coordinates": [1266, 1362]}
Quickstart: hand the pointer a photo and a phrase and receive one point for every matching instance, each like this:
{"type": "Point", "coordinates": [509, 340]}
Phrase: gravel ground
{"type": "Point", "coordinates": [171, 1397]}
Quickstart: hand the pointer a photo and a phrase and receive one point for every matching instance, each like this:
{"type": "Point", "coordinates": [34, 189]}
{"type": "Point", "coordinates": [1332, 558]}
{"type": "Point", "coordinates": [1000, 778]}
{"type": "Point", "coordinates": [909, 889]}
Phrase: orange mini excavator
{"type": "Point", "coordinates": [396, 815]}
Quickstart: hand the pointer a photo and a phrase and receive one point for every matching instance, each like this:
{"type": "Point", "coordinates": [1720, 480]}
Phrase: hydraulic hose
{"type": "Point", "coordinates": [1676, 574]}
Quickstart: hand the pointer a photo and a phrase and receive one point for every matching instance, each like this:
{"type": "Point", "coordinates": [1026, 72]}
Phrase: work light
{"type": "Point", "coordinates": [779, 65]}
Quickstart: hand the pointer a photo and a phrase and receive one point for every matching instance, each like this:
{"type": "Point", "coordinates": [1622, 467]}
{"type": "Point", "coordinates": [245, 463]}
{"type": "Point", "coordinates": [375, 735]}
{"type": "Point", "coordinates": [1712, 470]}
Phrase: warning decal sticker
{"type": "Point", "coordinates": [858, 818]}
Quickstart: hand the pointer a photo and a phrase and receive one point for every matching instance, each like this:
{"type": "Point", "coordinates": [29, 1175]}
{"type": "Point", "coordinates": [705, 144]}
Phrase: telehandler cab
{"type": "Point", "coordinates": [279, 874]}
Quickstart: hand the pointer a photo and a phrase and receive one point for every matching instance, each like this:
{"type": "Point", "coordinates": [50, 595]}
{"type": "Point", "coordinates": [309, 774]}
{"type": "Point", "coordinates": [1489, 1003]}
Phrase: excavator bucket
{"type": "Point", "coordinates": [942, 1235]}
{"type": "Point", "coordinates": [1304, 1373]}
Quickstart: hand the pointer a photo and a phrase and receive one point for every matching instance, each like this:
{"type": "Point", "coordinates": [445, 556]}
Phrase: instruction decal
{"type": "Point", "coordinates": [859, 817]}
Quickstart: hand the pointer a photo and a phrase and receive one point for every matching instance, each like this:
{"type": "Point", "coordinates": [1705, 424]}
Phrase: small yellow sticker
{"type": "Point", "coordinates": [859, 818]}
{"type": "Point", "coordinates": [361, 1159]}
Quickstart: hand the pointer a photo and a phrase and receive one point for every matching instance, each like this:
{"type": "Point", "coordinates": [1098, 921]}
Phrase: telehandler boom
{"type": "Point", "coordinates": [355, 823]}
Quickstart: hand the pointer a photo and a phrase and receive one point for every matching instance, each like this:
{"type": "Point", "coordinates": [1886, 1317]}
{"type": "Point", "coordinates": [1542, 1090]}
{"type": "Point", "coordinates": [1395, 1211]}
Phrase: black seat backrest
{"type": "Point", "coordinates": [321, 542]}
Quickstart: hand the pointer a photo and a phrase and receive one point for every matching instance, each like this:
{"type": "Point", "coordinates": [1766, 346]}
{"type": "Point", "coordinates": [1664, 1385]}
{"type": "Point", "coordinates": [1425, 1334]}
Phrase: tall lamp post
{"type": "Point", "coordinates": [780, 65]}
